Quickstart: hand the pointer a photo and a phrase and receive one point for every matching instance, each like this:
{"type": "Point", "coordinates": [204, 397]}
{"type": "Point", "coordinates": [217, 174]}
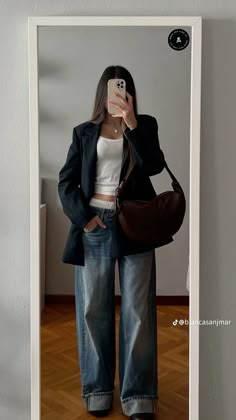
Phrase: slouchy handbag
{"type": "Point", "coordinates": [155, 221]}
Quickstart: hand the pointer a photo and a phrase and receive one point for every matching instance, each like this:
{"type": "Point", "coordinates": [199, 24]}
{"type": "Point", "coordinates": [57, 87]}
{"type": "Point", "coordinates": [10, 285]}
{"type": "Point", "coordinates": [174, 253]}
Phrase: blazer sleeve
{"type": "Point", "coordinates": [72, 198]}
{"type": "Point", "coordinates": [146, 147]}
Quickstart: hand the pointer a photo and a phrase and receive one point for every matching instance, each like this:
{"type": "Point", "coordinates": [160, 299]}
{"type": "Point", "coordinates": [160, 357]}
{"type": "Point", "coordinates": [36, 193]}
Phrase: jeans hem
{"type": "Point", "coordinates": [98, 400]}
{"type": "Point", "coordinates": [139, 404]}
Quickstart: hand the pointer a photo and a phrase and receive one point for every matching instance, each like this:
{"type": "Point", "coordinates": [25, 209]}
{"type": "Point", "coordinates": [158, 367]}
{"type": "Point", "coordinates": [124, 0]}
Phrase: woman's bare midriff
{"type": "Point", "coordinates": [104, 197]}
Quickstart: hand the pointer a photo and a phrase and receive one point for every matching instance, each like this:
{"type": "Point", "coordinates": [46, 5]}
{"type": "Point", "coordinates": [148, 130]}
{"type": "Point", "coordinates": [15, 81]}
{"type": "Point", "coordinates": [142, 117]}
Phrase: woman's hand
{"type": "Point", "coordinates": [125, 110]}
{"type": "Point", "coordinates": [93, 223]}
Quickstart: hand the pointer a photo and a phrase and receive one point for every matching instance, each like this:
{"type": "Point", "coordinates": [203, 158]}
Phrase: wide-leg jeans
{"type": "Point", "coordinates": [95, 324]}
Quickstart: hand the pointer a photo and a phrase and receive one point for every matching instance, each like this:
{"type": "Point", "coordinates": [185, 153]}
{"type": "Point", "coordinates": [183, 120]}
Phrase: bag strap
{"type": "Point", "coordinates": [129, 170]}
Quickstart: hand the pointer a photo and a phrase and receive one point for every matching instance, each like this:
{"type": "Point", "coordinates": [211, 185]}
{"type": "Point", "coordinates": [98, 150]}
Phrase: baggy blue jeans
{"type": "Point", "coordinates": [95, 324]}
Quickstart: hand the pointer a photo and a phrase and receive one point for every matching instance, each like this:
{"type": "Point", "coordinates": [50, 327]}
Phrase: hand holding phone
{"type": "Point", "coordinates": [115, 85]}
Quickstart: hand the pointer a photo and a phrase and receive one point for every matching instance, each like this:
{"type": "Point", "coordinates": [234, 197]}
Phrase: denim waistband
{"type": "Point", "coordinates": [103, 213]}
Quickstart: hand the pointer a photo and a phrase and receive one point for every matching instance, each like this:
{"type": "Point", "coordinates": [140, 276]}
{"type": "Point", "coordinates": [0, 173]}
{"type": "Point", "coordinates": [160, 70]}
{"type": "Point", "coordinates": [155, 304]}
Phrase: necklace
{"type": "Point", "coordinates": [117, 129]}
{"type": "Point", "coordinates": [121, 126]}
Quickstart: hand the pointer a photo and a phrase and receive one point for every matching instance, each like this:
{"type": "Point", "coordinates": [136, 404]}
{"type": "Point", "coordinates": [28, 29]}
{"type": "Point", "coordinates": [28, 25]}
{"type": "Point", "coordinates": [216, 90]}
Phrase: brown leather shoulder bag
{"type": "Point", "coordinates": [152, 222]}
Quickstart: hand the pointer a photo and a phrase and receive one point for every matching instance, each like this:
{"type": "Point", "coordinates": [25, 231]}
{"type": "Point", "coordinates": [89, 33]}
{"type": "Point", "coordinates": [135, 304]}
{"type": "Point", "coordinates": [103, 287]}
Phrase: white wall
{"type": "Point", "coordinates": [71, 61]}
{"type": "Point", "coordinates": [218, 150]}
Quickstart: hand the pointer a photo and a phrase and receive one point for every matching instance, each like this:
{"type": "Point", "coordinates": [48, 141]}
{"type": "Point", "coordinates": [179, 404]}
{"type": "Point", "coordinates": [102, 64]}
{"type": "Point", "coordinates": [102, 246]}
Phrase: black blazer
{"type": "Point", "coordinates": [76, 181]}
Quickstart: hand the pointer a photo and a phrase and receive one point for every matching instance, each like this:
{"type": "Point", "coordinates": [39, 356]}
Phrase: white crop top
{"type": "Point", "coordinates": [108, 166]}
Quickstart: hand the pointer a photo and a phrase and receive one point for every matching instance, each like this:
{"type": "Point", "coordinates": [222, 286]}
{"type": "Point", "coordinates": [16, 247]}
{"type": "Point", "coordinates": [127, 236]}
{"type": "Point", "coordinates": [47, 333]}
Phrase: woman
{"type": "Point", "coordinates": [97, 161]}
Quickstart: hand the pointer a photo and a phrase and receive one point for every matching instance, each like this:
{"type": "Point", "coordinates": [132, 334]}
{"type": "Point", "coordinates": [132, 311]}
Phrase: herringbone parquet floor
{"type": "Point", "coordinates": [60, 375]}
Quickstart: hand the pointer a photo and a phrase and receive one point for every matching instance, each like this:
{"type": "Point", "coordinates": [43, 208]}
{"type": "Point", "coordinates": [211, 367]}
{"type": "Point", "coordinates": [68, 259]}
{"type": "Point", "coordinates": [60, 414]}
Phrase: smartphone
{"type": "Point", "coordinates": [115, 85]}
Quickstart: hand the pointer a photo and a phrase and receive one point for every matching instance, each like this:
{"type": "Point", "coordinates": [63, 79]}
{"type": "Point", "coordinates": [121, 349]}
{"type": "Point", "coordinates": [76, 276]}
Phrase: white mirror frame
{"type": "Point", "coordinates": [195, 22]}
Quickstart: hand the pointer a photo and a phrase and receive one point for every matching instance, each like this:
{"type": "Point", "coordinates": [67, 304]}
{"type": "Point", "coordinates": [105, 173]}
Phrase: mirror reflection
{"type": "Point", "coordinates": [114, 106]}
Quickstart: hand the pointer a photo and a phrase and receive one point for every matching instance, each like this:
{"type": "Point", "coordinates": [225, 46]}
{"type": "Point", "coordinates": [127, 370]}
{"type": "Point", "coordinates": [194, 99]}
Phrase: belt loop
{"type": "Point", "coordinates": [102, 213]}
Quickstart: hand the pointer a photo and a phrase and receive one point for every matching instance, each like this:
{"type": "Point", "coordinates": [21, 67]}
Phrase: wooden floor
{"type": "Point", "coordinates": [60, 375]}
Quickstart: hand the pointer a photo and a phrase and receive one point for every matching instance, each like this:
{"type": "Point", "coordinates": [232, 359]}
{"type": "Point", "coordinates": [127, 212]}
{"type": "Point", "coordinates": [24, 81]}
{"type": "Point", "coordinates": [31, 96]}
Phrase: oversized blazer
{"type": "Point", "coordinates": [77, 176]}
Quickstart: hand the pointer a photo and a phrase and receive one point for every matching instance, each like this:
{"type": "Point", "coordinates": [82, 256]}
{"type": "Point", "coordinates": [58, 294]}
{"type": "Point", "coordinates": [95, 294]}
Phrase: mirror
{"type": "Point", "coordinates": [113, 331]}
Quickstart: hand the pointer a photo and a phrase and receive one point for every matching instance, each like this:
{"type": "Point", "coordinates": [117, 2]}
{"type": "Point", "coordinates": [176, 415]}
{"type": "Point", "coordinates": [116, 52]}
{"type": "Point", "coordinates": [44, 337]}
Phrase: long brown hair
{"type": "Point", "coordinates": [99, 110]}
